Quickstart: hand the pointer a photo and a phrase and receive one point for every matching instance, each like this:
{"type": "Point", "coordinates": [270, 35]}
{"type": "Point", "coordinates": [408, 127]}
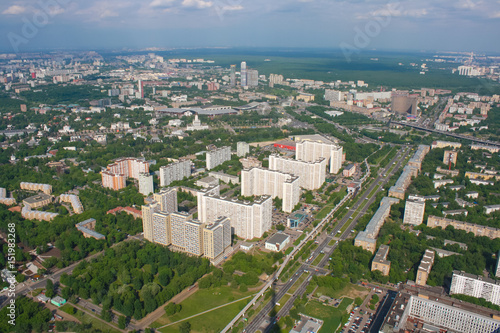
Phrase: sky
{"type": "Point", "coordinates": [353, 25]}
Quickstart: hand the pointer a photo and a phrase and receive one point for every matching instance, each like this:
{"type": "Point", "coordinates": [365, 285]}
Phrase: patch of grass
{"type": "Point", "coordinates": [297, 283]}
{"type": "Point", "coordinates": [282, 302]}
{"type": "Point", "coordinates": [350, 290]}
{"type": "Point", "coordinates": [318, 259]}
{"type": "Point", "coordinates": [213, 321]}
{"type": "Point", "coordinates": [36, 292]}
{"type": "Point", "coordinates": [203, 300]}
{"type": "Point", "coordinates": [331, 316]}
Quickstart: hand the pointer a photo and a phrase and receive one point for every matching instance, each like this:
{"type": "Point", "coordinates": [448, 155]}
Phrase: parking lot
{"type": "Point", "coordinates": [362, 317]}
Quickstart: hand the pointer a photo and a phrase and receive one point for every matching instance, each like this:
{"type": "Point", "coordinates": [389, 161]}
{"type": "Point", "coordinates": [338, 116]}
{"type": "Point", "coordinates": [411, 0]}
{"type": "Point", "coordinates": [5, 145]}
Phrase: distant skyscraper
{"type": "Point", "coordinates": [403, 103]}
{"type": "Point", "coordinates": [233, 76]}
{"type": "Point", "coordinates": [252, 78]}
{"type": "Point", "coordinates": [141, 88]}
{"type": "Point", "coordinates": [243, 72]}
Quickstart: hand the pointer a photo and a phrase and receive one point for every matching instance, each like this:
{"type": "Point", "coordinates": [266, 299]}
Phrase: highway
{"type": "Point", "coordinates": [458, 136]}
{"type": "Point", "coordinates": [263, 321]}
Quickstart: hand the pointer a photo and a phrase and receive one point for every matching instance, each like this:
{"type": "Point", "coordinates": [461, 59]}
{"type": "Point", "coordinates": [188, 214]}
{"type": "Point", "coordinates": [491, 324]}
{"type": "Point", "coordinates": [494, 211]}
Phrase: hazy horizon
{"type": "Point", "coordinates": [464, 25]}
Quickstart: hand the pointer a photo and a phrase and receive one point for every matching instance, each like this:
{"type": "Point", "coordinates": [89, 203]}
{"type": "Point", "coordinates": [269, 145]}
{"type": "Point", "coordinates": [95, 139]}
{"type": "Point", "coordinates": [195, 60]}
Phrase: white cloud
{"type": "Point", "coordinates": [394, 10]}
{"type": "Point", "coordinates": [200, 4]}
{"type": "Point", "coordinates": [235, 7]}
{"type": "Point", "coordinates": [495, 15]}
{"type": "Point", "coordinates": [14, 10]}
{"type": "Point", "coordinates": [467, 4]}
{"type": "Point", "coordinates": [161, 3]}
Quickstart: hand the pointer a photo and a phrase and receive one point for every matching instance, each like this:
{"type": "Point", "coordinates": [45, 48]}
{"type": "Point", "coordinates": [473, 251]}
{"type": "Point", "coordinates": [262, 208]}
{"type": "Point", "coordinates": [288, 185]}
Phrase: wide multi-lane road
{"type": "Point", "coordinates": [264, 320]}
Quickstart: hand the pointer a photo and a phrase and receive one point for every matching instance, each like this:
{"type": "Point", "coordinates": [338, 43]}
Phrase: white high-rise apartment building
{"type": "Point", "coordinates": [161, 228]}
{"type": "Point", "coordinates": [311, 174]}
{"type": "Point", "coordinates": [167, 199]}
{"type": "Point", "coordinates": [242, 149]}
{"type": "Point", "coordinates": [243, 73]}
{"type": "Point", "coordinates": [193, 233]}
{"type": "Point", "coordinates": [336, 159]}
{"type": "Point", "coordinates": [216, 237]}
{"type": "Point", "coordinates": [414, 210]}
{"type": "Point", "coordinates": [248, 219]}
{"type": "Point", "coordinates": [146, 184]}
{"type": "Point", "coordinates": [311, 151]}
{"type": "Point", "coordinates": [218, 156]}
{"type": "Point", "coordinates": [475, 286]}
{"type": "Point", "coordinates": [497, 272]}
{"type": "Point", "coordinates": [177, 229]}
{"type": "Point", "coordinates": [147, 219]}
{"type": "Point", "coordinates": [259, 181]}
{"type": "Point", "coordinates": [174, 171]}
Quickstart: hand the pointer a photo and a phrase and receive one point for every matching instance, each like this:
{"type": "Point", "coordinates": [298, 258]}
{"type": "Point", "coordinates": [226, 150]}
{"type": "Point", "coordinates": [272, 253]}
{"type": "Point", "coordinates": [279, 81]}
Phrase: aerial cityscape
{"type": "Point", "coordinates": [334, 170]}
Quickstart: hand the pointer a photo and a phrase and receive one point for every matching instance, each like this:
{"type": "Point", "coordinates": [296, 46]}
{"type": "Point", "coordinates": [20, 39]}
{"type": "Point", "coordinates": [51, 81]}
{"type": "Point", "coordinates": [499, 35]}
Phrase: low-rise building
{"type": "Point", "coordinates": [441, 182]}
{"type": "Point", "coordinates": [277, 242]}
{"type": "Point", "coordinates": [38, 201]}
{"type": "Point", "coordinates": [207, 182]}
{"type": "Point", "coordinates": [349, 170]}
{"type": "Point", "coordinates": [228, 179]}
{"type": "Point", "coordinates": [87, 228]}
{"type": "Point", "coordinates": [250, 162]}
{"type": "Point", "coordinates": [456, 212]}
{"type": "Point", "coordinates": [380, 262]}
{"type": "Point", "coordinates": [367, 239]}
{"type": "Point", "coordinates": [491, 209]}
{"type": "Point", "coordinates": [295, 219]}
{"type": "Point", "coordinates": [476, 229]}
{"type": "Point", "coordinates": [425, 268]}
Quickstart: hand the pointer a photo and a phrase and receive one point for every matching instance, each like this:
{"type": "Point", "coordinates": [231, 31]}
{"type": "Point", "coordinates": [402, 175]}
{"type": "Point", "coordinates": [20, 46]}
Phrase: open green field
{"type": "Point", "coordinates": [203, 300]}
{"type": "Point", "coordinates": [213, 321]}
{"type": "Point", "coordinates": [351, 290]}
{"type": "Point", "coordinates": [331, 316]}
{"type": "Point", "coordinates": [324, 212]}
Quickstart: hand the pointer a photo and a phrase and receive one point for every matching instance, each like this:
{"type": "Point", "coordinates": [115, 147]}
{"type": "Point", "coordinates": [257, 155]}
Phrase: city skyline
{"type": "Point", "coordinates": [363, 25]}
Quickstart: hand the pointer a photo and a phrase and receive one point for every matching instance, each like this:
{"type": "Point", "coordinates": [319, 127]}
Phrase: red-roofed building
{"type": "Point", "coordinates": [129, 210]}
